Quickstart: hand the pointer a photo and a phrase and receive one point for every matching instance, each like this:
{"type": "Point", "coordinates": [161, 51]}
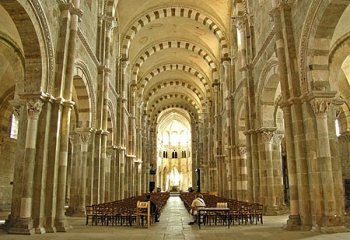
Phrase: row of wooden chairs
{"type": "Point", "coordinates": [121, 212]}
{"type": "Point", "coordinates": [240, 212]}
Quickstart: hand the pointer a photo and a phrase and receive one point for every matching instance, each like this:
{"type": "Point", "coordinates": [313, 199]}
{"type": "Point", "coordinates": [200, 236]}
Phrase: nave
{"type": "Point", "coordinates": [173, 225]}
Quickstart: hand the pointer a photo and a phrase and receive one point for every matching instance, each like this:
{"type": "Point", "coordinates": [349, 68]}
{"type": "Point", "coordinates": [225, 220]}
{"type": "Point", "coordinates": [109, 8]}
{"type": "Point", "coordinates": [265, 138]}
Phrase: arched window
{"type": "Point", "coordinates": [14, 127]}
{"type": "Point", "coordinates": [337, 130]}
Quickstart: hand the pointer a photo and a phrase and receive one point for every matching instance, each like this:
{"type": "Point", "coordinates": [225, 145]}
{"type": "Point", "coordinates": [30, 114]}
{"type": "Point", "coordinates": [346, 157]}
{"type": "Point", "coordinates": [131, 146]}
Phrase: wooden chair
{"type": "Point", "coordinates": [143, 211]}
{"type": "Point", "coordinates": [89, 214]}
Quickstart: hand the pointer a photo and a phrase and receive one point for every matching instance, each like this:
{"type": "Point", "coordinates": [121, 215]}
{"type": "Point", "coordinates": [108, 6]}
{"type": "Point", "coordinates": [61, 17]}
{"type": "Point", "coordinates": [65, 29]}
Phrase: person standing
{"type": "Point", "coordinates": [154, 209]}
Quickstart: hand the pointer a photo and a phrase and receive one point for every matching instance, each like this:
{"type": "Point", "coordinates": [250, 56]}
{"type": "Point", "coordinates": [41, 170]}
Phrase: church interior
{"type": "Point", "coordinates": [104, 100]}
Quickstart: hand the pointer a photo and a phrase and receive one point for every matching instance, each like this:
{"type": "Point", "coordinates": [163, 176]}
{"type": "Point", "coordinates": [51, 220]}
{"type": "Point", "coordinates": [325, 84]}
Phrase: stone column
{"type": "Point", "coordinates": [103, 159]}
{"type": "Point", "coordinates": [60, 221]}
{"type": "Point", "coordinates": [293, 127]}
{"type": "Point", "coordinates": [52, 166]}
{"type": "Point", "coordinates": [206, 139]}
{"type": "Point", "coordinates": [123, 189]}
{"type": "Point", "coordinates": [228, 169]}
{"type": "Point", "coordinates": [73, 159]}
{"type": "Point", "coordinates": [113, 169]}
{"type": "Point", "coordinates": [108, 177]}
{"type": "Point", "coordinates": [116, 173]}
{"type": "Point", "coordinates": [210, 150]}
{"type": "Point", "coordinates": [268, 190]}
{"type": "Point", "coordinates": [40, 172]}
{"type": "Point", "coordinates": [277, 168]}
{"type": "Point", "coordinates": [138, 178]}
{"type": "Point", "coordinates": [145, 156]}
{"type": "Point", "coordinates": [217, 181]}
{"type": "Point", "coordinates": [328, 214]}
{"type": "Point", "coordinates": [24, 224]}
{"type": "Point", "coordinates": [242, 176]}
{"type": "Point", "coordinates": [96, 168]}
{"type": "Point", "coordinates": [20, 110]}
{"type": "Point", "coordinates": [109, 23]}
{"type": "Point", "coordinates": [252, 165]}
{"type": "Point", "coordinates": [129, 184]}
{"type": "Point", "coordinates": [90, 168]}
{"type": "Point", "coordinates": [84, 137]}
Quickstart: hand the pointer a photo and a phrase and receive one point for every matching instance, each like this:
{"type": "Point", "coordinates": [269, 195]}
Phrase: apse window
{"type": "Point", "coordinates": [14, 127]}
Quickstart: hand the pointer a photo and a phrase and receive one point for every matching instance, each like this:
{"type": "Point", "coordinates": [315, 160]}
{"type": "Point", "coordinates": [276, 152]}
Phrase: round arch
{"type": "Point", "coordinates": [178, 11]}
{"type": "Point", "coordinates": [192, 47]}
{"type": "Point", "coordinates": [87, 91]}
{"type": "Point", "coordinates": [313, 32]}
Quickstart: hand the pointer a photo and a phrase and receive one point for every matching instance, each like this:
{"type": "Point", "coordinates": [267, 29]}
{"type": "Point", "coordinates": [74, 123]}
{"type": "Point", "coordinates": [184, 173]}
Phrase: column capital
{"type": "Point", "coordinates": [320, 101]}
{"type": "Point", "coordinates": [69, 7]}
{"type": "Point", "coordinates": [77, 11]}
{"type": "Point", "coordinates": [249, 132]}
{"type": "Point", "coordinates": [68, 103]}
{"type": "Point", "coordinates": [277, 137]}
{"type": "Point", "coordinates": [267, 133]}
{"type": "Point", "coordinates": [320, 106]}
{"type": "Point", "coordinates": [242, 150]}
{"type": "Point", "coordinates": [240, 22]}
{"type": "Point", "coordinates": [84, 134]}
{"type": "Point", "coordinates": [124, 63]}
{"type": "Point", "coordinates": [34, 107]}
{"type": "Point", "coordinates": [103, 132]}
{"type": "Point", "coordinates": [111, 23]}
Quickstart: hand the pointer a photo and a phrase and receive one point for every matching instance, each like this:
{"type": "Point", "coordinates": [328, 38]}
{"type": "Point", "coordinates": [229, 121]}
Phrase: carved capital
{"type": "Point", "coordinates": [320, 101]}
{"type": "Point", "coordinates": [337, 103]}
{"type": "Point", "coordinates": [34, 107]}
{"type": "Point", "coordinates": [242, 151]}
{"type": "Point", "coordinates": [84, 134]}
{"type": "Point", "coordinates": [267, 134]}
{"type": "Point", "coordinates": [277, 138]}
{"type": "Point", "coordinates": [320, 106]}
{"type": "Point", "coordinates": [240, 22]}
{"type": "Point", "coordinates": [111, 23]}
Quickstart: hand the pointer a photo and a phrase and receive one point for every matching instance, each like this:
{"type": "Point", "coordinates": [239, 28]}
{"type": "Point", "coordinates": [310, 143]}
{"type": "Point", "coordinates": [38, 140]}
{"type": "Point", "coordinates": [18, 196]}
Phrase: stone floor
{"type": "Point", "coordinates": [173, 225]}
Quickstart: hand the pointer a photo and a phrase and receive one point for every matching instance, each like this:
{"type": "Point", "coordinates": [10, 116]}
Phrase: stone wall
{"type": "Point", "coordinates": [7, 163]}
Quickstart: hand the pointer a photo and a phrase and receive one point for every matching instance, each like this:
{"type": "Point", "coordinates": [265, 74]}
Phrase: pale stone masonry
{"type": "Point", "coordinates": [246, 99]}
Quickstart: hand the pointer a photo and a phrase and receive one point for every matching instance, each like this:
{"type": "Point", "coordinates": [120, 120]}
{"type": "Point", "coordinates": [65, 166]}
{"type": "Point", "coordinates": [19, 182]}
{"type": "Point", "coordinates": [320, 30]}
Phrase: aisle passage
{"type": "Point", "coordinates": [173, 225]}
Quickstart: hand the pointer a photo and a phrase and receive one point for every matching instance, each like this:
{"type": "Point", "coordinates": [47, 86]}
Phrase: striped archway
{"type": "Point", "coordinates": [177, 11]}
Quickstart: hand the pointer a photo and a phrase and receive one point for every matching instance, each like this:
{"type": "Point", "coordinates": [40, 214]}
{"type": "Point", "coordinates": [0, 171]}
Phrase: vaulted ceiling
{"type": "Point", "coordinates": [174, 49]}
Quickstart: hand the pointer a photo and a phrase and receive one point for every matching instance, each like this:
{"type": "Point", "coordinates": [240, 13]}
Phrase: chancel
{"type": "Point", "coordinates": [104, 102]}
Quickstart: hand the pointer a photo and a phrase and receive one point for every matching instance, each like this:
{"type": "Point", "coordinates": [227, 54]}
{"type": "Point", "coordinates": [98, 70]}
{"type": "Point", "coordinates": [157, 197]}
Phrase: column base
{"type": "Point", "coordinates": [49, 225]}
{"type": "Point", "coordinates": [293, 223]}
{"type": "Point", "coordinates": [333, 224]}
{"type": "Point", "coordinates": [50, 229]}
{"type": "Point", "coordinates": [40, 230]}
{"type": "Point", "coordinates": [61, 225]}
{"type": "Point", "coordinates": [22, 227]}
